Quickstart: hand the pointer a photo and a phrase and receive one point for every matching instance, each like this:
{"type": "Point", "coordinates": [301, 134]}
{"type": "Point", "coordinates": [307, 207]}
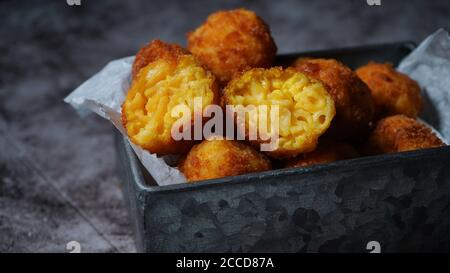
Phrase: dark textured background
{"type": "Point", "coordinates": [58, 177]}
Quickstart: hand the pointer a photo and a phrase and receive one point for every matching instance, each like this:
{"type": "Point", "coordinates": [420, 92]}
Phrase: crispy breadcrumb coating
{"type": "Point", "coordinates": [305, 107]}
{"type": "Point", "coordinates": [153, 51]}
{"type": "Point", "coordinates": [167, 82]}
{"type": "Point", "coordinates": [400, 133]}
{"type": "Point", "coordinates": [393, 92]}
{"type": "Point", "coordinates": [354, 105]}
{"type": "Point", "coordinates": [232, 41]}
{"type": "Point", "coordinates": [326, 152]}
{"type": "Point", "coordinates": [219, 158]}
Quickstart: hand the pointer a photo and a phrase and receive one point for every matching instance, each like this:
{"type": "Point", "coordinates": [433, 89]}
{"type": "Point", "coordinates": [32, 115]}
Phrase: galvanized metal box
{"type": "Point", "coordinates": [400, 200]}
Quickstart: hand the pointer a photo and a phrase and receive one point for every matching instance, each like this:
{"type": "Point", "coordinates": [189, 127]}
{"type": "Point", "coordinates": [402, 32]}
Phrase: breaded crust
{"type": "Point", "coordinates": [153, 51]}
{"type": "Point", "coordinates": [305, 107]}
{"type": "Point", "coordinates": [171, 80]}
{"type": "Point", "coordinates": [327, 152]}
{"type": "Point", "coordinates": [219, 158]}
{"type": "Point", "coordinates": [393, 92]}
{"type": "Point", "coordinates": [232, 41]}
{"type": "Point", "coordinates": [400, 133]}
{"type": "Point", "coordinates": [354, 105]}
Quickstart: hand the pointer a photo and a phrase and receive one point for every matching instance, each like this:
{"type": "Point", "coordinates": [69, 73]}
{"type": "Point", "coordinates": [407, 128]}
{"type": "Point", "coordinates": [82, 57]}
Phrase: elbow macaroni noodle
{"type": "Point", "coordinates": [305, 107]}
{"type": "Point", "coordinates": [158, 88]}
{"type": "Point", "coordinates": [284, 111]}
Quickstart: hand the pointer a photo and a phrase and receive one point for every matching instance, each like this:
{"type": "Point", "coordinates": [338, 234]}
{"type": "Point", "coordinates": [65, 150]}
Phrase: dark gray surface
{"type": "Point", "coordinates": [58, 178]}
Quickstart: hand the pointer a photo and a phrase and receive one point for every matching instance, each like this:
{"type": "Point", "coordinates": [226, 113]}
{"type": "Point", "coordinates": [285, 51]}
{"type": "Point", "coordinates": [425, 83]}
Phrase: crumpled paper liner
{"type": "Point", "coordinates": [105, 92]}
{"type": "Point", "coordinates": [429, 65]}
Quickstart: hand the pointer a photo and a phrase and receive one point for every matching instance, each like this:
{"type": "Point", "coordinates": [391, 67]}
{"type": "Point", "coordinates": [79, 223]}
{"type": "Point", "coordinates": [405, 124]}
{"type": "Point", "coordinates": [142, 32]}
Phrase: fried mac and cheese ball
{"type": "Point", "coordinates": [354, 105]}
{"type": "Point", "coordinates": [154, 50]}
{"type": "Point", "coordinates": [219, 158]}
{"type": "Point", "coordinates": [326, 152]}
{"type": "Point", "coordinates": [232, 41]}
{"type": "Point", "coordinates": [172, 79]}
{"type": "Point", "coordinates": [305, 107]}
{"type": "Point", "coordinates": [400, 133]}
{"type": "Point", "coordinates": [392, 92]}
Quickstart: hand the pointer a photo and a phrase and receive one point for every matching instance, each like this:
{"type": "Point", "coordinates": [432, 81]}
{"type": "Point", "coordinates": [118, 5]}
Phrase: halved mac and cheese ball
{"type": "Point", "coordinates": [219, 158]}
{"type": "Point", "coordinates": [354, 104]}
{"type": "Point", "coordinates": [172, 80]}
{"type": "Point", "coordinates": [305, 108]}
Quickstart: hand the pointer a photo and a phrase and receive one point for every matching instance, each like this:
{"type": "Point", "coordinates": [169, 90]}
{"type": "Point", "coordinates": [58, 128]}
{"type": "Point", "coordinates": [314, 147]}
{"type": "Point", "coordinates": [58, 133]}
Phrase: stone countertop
{"type": "Point", "coordinates": [58, 180]}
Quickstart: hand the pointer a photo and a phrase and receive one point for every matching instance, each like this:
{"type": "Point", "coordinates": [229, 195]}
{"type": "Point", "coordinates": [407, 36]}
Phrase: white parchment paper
{"type": "Point", "coordinates": [429, 65]}
{"type": "Point", "coordinates": [105, 92]}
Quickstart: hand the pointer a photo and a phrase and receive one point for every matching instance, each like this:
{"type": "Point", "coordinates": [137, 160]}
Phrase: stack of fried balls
{"type": "Point", "coordinates": [327, 112]}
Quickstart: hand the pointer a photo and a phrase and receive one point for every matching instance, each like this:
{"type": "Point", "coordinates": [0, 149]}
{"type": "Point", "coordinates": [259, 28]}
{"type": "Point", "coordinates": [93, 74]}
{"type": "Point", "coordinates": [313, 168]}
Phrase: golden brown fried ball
{"type": "Point", "coordinates": [354, 105]}
{"type": "Point", "coordinates": [400, 133]}
{"type": "Point", "coordinates": [154, 50]}
{"type": "Point", "coordinates": [171, 80]}
{"type": "Point", "coordinates": [393, 92]}
{"type": "Point", "coordinates": [232, 41]}
{"type": "Point", "coordinates": [219, 158]}
{"type": "Point", "coordinates": [305, 108]}
{"type": "Point", "coordinates": [326, 152]}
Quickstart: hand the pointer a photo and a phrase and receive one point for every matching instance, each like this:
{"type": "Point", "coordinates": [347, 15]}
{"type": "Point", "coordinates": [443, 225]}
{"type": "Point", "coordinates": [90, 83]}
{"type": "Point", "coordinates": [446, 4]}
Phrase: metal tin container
{"type": "Point", "coordinates": [401, 201]}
